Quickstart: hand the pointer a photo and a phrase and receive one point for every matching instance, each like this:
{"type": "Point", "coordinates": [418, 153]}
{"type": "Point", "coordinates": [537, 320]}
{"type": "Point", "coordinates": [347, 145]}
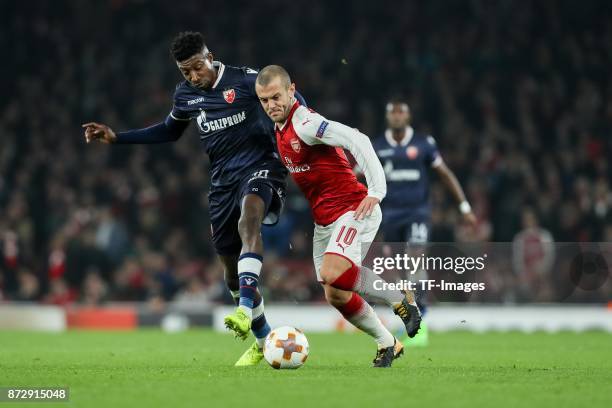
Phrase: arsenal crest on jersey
{"type": "Point", "coordinates": [295, 145]}
{"type": "Point", "coordinates": [229, 95]}
{"type": "Point", "coordinates": [412, 152]}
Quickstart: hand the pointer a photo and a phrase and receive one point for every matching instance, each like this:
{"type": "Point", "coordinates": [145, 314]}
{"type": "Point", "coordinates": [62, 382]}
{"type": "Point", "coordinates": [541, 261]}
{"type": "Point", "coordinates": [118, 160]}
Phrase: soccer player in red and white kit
{"type": "Point", "coordinates": [346, 213]}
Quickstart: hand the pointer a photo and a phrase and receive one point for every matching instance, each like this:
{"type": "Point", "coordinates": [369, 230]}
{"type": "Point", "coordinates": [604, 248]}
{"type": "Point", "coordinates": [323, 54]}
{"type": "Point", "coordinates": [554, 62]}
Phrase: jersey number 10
{"type": "Point", "coordinates": [348, 237]}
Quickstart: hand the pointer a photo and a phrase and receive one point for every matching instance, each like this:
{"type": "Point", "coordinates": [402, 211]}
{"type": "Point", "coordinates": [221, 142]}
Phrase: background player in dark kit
{"type": "Point", "coordinates": [407, 156]}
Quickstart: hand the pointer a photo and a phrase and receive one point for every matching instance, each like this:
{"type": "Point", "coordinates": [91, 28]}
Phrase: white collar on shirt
{"type": "Point", "coordinates": [220, 69]}
{"type": "Point", "coordinates": [409, 132]}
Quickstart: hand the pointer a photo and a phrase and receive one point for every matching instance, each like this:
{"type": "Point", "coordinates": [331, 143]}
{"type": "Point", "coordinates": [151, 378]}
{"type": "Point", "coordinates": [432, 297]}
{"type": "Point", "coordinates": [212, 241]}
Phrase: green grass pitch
{"type": "Point", "coordinates": [150, 368]}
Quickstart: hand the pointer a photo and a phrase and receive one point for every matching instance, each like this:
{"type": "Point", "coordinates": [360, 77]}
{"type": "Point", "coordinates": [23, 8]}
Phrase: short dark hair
{"type": "Point", "coordinates": [270, 72]}
{"type": "Point", "coordinates": [186, 44]}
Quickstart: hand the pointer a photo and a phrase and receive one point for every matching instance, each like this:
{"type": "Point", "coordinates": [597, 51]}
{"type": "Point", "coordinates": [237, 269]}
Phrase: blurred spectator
{"type": "Point", "coordinates": [129, 282]}
{"type": "Point", "coordinates": [95, 290]}
{"type": "Point", "coordinates": [60, 294]}
{"type": "Point", "coordinates": [29, 286]}
{"type": "Point", "coordinates": [533, 258]}
{"type": "Point", "coordinates": [111, 236]}
{"type": "Point", "coordinates": [194, 297]}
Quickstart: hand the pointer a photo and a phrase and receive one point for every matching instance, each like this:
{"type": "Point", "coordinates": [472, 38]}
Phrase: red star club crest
{"type": "Point", "coordinates": [412, 152]}
{"type": "Point", "coordinates": [229, 95]}
{"type": "Point", "coordinates": [295, 145]}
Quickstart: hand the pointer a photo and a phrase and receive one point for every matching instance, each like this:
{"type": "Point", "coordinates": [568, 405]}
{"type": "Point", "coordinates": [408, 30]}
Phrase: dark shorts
{"type": "Point", "coordinates": [414, 230]}
{"type": "Point", "coordinates": [268, 182]}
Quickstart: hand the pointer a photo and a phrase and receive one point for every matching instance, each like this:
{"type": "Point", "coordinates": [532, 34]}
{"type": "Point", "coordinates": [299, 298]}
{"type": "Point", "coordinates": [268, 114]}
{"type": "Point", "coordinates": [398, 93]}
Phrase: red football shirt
{"type": "Point", "coordinates": [313, 153]}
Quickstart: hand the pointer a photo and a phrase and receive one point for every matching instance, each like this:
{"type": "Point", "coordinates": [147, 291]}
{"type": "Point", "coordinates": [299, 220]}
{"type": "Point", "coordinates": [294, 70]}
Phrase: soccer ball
{"type": "Point", "coordinates": [286, 347]}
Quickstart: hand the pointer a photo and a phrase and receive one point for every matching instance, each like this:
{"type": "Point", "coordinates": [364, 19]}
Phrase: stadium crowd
{"type": "Point", "coordinates": [519, 100]}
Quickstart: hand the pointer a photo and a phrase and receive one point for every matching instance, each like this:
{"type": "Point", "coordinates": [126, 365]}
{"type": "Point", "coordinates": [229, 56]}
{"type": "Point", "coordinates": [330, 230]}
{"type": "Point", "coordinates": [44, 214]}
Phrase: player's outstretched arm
{"type": "Point", "coordinates": [450, 181]}
{"type": "Point", "coordinates": [169, 130]}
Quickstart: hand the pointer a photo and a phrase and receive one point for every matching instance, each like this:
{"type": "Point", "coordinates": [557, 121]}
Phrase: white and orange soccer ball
{"type": "Point", "coordinates": [286, 347]}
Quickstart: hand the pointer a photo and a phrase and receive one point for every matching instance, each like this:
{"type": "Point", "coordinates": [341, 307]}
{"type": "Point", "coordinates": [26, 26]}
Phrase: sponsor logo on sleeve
{"type": "Point", "coordinates": [321, 129]}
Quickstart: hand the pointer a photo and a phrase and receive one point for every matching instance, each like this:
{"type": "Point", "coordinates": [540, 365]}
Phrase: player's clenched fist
{"type": "Point", "coordinates": [98, 131]}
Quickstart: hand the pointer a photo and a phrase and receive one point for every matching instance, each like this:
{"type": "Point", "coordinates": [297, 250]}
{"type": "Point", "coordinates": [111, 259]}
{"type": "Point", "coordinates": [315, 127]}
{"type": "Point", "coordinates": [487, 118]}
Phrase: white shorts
{"type": "Point", "coordinates": [346, 237]}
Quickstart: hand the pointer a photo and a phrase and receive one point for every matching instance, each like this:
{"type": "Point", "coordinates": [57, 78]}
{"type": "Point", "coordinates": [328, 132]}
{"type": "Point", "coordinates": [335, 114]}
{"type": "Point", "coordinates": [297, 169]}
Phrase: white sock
{"type": "Point", "coordinates": [249, 268]}
{"type": "Point", "coordinates": [368, 321]}
{"type": "Point", "coordinates": [361, 315]}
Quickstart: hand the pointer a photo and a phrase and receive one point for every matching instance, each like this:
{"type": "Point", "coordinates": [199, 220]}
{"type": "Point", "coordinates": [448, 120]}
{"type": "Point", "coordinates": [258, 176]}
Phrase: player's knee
{"type": "Point", "coordinates": [251, 216]}
{"type": "Point", "coordinates": [332, 267]}
{"type": "Point", "coordinates": [330, 274]}
{"type": "Point", "coordinates": [327, 277]}
{"type": "Point", "coordinates": [336, 297]}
